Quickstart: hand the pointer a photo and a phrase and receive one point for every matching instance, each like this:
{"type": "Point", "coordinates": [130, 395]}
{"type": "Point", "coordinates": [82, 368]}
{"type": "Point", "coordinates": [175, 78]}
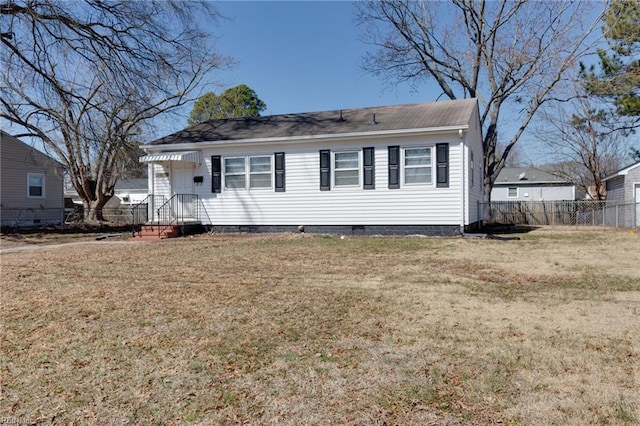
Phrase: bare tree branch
{"type": "Point", "coordinates": [509, 54]}
{"type": "Point", "coordinates": [87, 77]}
{"type": "Point", "coordinates": [579, 140]}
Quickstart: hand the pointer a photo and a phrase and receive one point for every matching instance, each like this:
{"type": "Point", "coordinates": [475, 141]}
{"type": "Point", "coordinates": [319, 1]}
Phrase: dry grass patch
{"type": "Point", "coordinates": [295, 329]}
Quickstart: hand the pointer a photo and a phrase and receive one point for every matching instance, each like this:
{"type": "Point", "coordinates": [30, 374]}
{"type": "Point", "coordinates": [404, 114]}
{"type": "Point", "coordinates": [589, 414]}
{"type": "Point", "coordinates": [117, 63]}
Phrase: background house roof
{"type": "Point", "coordinates": [359, 120]}
{"type": "Point", "coordinates": [527, 175]}
{"type": "Point", "coordinates": [134, 183]}
{"type": "Point", "coordinates": [622, 171]}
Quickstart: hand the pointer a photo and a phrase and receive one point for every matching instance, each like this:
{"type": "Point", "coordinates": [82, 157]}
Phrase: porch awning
{"type": "Point", "coordinates": [188, 156]}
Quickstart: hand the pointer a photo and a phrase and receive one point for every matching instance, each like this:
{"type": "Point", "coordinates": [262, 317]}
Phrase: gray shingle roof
{"type": "Point", "coordinates": [530, 175]}
{"type": "Point", "coordinates": [398, 117]}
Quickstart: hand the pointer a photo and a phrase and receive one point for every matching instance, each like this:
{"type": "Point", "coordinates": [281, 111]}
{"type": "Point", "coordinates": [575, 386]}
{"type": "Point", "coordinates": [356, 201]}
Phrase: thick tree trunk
{"type": "Point", "coordinates": [93, 209]}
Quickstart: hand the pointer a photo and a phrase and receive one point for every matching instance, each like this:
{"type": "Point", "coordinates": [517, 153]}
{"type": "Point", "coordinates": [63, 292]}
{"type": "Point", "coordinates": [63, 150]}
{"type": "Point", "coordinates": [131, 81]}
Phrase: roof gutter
{"type": "Point", "coordinates": [304, 139]}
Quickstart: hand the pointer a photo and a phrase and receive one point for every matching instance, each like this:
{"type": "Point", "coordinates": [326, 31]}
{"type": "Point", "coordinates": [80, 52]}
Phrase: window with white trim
{"type": "Point", "coordinates": [417, 165]}
{"type": "Point", "coordinates": [35, 185]}
{"type": "Point", "coordinates": [254, 171]}
{"type": "Point", "coordinates": [346, 166]}
{"type": "Point", "coordinates": [512, 192]}
{"type": "Point", "coordinates": [235, 174]}
{"type": "Point", "coordinates": [260, 172]}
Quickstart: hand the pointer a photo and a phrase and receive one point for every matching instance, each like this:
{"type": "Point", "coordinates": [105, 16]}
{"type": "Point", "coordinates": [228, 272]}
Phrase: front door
{"type": "Point", "coordinates": [182, 187]}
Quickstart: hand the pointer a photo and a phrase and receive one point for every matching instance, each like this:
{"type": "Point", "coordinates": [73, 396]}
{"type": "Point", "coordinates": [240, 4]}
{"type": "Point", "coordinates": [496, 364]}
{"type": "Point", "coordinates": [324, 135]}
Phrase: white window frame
{"type": "Point", "coordinates": [244, 173]}
{"type": "Point", "coordinates": [247, 173]}
{"type": "Point", "coordinates": [41, 176]}
{"type": "Point", "coordinates": [358, 169]}
{"type": "Point", "coordinates": [403, 161]}
{"type": "Point", "coordinates": [251, 173]}
{"type": "Point", "coordinates": [509, 188]}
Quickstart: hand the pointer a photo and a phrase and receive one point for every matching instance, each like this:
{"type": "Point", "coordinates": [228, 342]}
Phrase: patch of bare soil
{"type": "Point", "coordinates": [11, 238]}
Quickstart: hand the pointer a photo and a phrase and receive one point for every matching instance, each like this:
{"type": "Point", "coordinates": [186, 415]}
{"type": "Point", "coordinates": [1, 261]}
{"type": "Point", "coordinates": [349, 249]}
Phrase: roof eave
{"type": "Point", "coordinates": [622, 172]}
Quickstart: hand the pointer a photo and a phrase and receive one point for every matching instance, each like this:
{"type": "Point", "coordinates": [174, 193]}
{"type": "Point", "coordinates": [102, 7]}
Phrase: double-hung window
{"type": "Point", "coordinates": [417, 165]}
{"type": "Point", "coordinates": [260, 172]}
{"type": "Point", "coordinates": [256, 172]}
{"type": "Point", "coordinates": [346, 168]}
{"type": "Point", "coordinates": [35, 185]}
{"type": "Point", "coordinates": [512, 192]}
{"type": "Point", "coordinates": [235, 174]}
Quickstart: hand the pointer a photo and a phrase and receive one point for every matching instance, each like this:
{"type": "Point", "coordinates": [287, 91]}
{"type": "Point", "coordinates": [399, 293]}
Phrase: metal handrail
{"type": "Point", "coordinates": [146, 206]}
{"type": "Point", "coordinates": [173, 211]}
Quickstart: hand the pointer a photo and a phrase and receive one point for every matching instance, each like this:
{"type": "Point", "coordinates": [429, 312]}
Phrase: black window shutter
{"type": "Point", "coordinates": [325, 170]}
{"type": "Point", "coordinates": [369, 169]}
{"type": "Point", "coordinates": [280, 174]}
{"type": "Point", "coordinates": [216, 174]}
{"type": "Point", "coordinates": [394, 167]}
{"type": "Point", "coordinates": [442, 165]}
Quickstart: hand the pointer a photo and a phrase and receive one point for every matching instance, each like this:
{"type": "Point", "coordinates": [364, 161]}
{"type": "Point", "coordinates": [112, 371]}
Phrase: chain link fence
{"type": "Point", "coordinates": [35, 217]}
{"type": "Point", "coordinates": [552, 213]}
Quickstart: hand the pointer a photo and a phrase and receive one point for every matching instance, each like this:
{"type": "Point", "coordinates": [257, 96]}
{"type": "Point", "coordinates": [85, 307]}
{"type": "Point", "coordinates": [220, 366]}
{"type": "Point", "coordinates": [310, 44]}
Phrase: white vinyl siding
{"type": "Point", "coordinates": [161, 180]}
{"type": "Point", "coordinates": [471, 169]}
{"type": "Point", "coordinates": [417, 166]}
{"type": "Point", "coordinates": [304, 203]}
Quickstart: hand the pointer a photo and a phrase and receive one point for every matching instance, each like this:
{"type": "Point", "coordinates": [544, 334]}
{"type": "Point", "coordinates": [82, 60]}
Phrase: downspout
{"type": "Point", "coordinates": [464, 184]}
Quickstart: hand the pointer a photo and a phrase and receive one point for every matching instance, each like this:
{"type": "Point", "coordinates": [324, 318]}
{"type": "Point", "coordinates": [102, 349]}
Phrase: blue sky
{"type": "Point", "coordinates": [302, 56]}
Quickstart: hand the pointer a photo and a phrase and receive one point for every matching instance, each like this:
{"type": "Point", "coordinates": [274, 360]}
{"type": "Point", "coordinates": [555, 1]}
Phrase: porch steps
{"type": "Point", "coordinates": [152, 232]}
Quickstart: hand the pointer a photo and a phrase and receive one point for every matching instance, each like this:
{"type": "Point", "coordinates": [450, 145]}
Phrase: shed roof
{"type": "Point", "coordinates": [527, 175]}
{"type": "Point", "coordinates": [348, 121]}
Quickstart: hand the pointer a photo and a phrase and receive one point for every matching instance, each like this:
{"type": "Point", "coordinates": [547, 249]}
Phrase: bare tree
{"type": "Point", "coordinates": [578, 138]}
{"type": "Point", "coordinates": [510, 55]}
{"type": "Point", "coordinates": [88, 77]}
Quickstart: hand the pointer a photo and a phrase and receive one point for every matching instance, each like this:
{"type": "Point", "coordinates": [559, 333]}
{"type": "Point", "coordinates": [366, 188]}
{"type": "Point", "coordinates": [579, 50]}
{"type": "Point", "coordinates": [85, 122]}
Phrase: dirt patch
{"type": "Point", "coordinates": [11, 238]}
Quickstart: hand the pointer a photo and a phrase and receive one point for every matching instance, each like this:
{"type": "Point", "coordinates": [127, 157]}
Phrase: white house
{"type": "Point", "coordinates": [531, 184]}
{"type": "Point", "coordinates": [623, 187]}
{"type": "Point", "coordinates": [404, 169]}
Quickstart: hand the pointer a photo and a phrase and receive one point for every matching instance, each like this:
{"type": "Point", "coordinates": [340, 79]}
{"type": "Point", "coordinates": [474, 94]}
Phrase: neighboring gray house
{"type": "Point", "coordinates": [623, 187]}
{"type": "Point", "coordinates": [531, 184]}
{"type": "Point", "coordinates": [392, 169]}
{"type": "Point", "coordinates": [31, 192]}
